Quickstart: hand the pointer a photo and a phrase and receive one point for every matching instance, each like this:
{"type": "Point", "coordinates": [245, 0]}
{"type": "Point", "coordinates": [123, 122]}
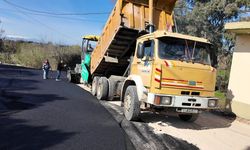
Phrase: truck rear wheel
{"type": "Point", "coordinates": [188, 117]}
{"type": "Point", "coordinates": [94, 85]}
{"type": "Point", "coordinates": [102, 88]}
{"type": "Point", "coordinates": [131, 104]}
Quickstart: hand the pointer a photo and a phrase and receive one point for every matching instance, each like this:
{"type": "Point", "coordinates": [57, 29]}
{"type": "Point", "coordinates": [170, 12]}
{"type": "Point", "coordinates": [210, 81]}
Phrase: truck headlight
{"type": "Point", "coordinates": [163, 100]}
{"type": "Point", "coordinates": [212, 103]}
{"type": "Point", "coordinates": [166, 100]}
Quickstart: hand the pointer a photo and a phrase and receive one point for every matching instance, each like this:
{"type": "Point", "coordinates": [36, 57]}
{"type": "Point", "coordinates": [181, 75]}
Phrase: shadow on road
{"type": "Point", "coordinates": [20, 91]}
{"type": "Point", "coordinates": [248, 148]}
{"type": "Point", "coordinates": [16, 134]}
{"type": "Point", "coordinates": [22, 101]}
{"type": "Point", "coordinates": [205, 121]}
{"type": "Point", "coordinates": [18, 94]}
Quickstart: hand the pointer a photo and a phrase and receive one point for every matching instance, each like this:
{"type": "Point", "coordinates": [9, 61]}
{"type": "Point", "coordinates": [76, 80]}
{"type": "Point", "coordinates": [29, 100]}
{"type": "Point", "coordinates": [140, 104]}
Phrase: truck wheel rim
{"type": "Point", "coordinates": [127, 102]}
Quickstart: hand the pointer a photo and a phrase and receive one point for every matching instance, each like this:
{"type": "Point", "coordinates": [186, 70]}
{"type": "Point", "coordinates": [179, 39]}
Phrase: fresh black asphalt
{"type": "Point", "coordinates": [45, 114]}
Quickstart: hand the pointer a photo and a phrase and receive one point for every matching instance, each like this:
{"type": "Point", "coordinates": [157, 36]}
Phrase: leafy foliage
{"type": "Point", "coordinates": [206, 18]}
{"type": "Point", "coordinates": [1, 31]}
{"type": "Point", "coordinates": [1, 36]}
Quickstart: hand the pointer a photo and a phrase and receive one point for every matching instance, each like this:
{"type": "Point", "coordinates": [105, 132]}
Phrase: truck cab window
{"type": "Point", "coordinates": [148, 49]}
{"type": "Point", "coordinates": [88, 46]}
{"type": "Point", "coordinates": [180, 49]}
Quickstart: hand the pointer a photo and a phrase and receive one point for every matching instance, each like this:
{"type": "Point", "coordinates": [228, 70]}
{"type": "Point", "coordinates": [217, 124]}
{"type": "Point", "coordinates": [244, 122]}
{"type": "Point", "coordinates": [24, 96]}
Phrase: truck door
{"type": "Point", "coordinates": [144, 65]}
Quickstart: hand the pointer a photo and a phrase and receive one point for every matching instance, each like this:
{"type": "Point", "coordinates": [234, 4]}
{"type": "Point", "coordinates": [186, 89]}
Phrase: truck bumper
{"type": "Point", "coordinates": [193, 102]}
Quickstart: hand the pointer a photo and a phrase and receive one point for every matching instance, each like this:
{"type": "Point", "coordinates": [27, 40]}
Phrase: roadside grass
{"type": "Point", "coordinates": [222, 83]}
{"type": "Point", "coordinates": [222, 99]}
{"type": "Point", "coordinates": [222, 73]}
{"type": "Point", "coordinates": [34, 54]}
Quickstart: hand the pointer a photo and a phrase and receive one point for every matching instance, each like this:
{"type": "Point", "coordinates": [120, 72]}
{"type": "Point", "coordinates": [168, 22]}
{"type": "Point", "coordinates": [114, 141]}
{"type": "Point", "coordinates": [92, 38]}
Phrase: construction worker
{"type": "Point", "coordinates": [60, 67]}
{"type": "Point", "coordinates": [46, 67]}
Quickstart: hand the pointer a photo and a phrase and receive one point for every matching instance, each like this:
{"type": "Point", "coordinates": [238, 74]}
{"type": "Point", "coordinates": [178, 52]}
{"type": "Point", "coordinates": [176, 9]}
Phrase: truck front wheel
{"type": "Point", "coordinates": [188, 117]}
{"type": "Point", "coordinates": [131, 104]}
{"type": "Point", "coordinates": [102, 88]}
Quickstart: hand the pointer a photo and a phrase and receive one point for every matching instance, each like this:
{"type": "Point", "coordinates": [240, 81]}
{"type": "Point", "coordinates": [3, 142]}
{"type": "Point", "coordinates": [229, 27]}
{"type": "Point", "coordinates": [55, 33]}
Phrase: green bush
{"type": "Point", "coordinates": [34, 54]}
{"type": "Point", "coordinates": [222, 99]}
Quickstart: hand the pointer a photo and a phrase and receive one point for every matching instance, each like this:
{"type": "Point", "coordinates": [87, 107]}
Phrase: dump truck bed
{"type": "Point", "coordinates": [127, 21]}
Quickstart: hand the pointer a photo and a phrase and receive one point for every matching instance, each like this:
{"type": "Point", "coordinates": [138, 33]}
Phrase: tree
{"type": "Point", "coordinates": [206, 18]}
{"type": "Point", "coordinates": [1, 36]}
{"type": "Point", "coordinates": [1, 31]}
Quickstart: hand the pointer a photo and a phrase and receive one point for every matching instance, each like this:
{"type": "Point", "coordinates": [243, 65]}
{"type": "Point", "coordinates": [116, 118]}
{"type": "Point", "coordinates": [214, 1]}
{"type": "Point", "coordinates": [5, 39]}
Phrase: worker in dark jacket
{"type": "Point", "coordinates": [60, 67]}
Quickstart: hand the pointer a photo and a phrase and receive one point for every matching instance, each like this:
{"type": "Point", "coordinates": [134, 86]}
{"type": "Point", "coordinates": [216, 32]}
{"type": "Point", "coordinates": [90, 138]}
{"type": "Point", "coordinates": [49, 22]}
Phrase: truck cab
{"type": "Point", "coordinates": [173, 71]}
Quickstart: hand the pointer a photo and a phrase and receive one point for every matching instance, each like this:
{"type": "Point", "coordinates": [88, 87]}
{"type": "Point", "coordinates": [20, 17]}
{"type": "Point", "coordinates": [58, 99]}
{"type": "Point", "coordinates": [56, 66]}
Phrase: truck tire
{"type": "Point", "coordinates": [131, 104]}
{"type": "Point", "coordinates": [69, 75]}
{"type": "Point", "coordinates": [77, 78]}
{"type": "Point", "coordinates": [111, 89]}
{"type": "Point", "coordinates": [73, 77]}
{"type": "Point", "coordinates": [94, 85]}
{"type": "Point", "coordinates": [102, 88]}
{"type": "Point", "coordinates": [188, 117]}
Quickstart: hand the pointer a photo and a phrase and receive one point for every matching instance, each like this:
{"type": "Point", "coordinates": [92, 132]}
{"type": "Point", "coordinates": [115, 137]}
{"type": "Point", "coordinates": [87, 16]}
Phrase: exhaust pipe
{"type": "Point", "coordinates": [151, 16]}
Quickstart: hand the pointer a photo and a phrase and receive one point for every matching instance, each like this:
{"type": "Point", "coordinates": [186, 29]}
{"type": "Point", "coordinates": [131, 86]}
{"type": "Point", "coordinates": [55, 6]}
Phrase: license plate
{"type": "Point", "coordinates": [193, 111]}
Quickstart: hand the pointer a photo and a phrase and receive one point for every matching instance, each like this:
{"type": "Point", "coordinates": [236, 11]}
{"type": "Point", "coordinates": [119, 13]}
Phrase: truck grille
{"type": "Point", "coordinates": [191, 104]}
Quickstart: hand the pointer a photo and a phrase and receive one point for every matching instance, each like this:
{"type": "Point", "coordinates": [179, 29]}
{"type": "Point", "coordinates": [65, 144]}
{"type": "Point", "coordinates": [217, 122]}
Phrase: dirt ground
{"type": "Point", "coordinates": [208, 132]}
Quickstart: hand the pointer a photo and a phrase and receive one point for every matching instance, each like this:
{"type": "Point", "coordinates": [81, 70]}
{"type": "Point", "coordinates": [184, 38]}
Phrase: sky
{"type": "Point", "coordinates": [60, 29]}
{"type": "Point", "coordinates": [18, 22]}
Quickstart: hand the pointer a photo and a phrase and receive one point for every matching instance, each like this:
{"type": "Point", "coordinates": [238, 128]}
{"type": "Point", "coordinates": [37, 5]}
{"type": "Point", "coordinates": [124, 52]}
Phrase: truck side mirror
{"type": "Point", "coordinates": [213, 57]}
{"type": "Point", "coordinates": [140, 51]}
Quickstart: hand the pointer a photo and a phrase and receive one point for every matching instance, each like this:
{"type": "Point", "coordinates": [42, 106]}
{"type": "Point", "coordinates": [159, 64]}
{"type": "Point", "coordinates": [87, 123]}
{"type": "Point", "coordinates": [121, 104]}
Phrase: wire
{"type": "Point", "coordinates": [52, 13]}
{"type": "Point", "coordinates": [46, 26]}
{"type": "Point", "coordinates": [59, 17]}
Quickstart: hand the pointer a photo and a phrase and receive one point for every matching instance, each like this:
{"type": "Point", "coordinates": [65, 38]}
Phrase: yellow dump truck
{"type": "Point", "coordinates": [140, 60]}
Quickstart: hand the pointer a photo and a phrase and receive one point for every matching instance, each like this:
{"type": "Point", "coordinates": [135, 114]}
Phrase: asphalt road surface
{"type": "Point", "coordinates": [45, 114]}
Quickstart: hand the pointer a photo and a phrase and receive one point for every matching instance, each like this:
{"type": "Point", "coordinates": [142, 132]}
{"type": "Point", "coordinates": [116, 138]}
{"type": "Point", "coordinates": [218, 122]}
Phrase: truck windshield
{"type": "Point", "coordinates": [88, 45]}
{"type": "Point", "coordinates": [184, 50]}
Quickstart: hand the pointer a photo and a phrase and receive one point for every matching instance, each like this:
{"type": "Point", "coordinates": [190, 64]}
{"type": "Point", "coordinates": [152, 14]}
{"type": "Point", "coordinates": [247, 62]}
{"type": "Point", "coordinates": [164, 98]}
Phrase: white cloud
{"type": "Point", "coordinates": [20, 37]}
